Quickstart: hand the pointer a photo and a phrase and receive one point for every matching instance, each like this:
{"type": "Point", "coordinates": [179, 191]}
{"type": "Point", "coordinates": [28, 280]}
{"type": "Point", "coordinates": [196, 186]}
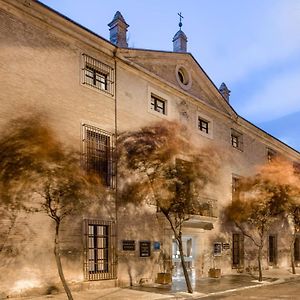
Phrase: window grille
{"type": "Point", "coordinates": [97, 153]}
{"type": "Point", "coordinates": [100, 250]}
{"type": "Point", "coordinates": [158, 105]}
{"type": "Point", "coordinates": [98, 75]}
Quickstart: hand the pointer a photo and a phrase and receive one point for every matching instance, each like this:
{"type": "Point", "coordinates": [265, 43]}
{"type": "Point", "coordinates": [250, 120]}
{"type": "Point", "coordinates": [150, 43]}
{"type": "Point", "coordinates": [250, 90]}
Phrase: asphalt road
{"type": "Point", "coordinates": [287, 290]}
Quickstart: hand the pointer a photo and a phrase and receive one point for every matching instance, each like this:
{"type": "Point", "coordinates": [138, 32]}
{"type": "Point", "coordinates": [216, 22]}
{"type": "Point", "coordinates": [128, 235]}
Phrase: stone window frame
{"type": "Point", "coordinates": [152, 92]}
{"type": "Point", "coordinates": [158, 104]}
{"type": "Point", "coordinates": [236, 140]}
{"type": "Point", "coordinates": [183, 77]}
{"type": "Point", "coordinates": [205, 118]}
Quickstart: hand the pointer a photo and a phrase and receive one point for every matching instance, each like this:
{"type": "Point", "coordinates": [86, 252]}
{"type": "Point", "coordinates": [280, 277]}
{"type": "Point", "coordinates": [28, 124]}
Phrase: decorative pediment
{"type": "Point", "coordinates": [182, 71]}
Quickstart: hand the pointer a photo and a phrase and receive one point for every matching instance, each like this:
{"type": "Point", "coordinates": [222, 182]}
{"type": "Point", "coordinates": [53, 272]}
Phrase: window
{"type": "Point", "coordinates": [183, 76]}
{"type": "Point", "coordinates": [100, 258]}
{"type": "Point", "coordinates": [235, 188]}
{"type": "Point", "coordinates": [272, 250]}
{"type": "Point", "coordinates": [98, 153]}
{"type": "Point", "coordinates": [203, 125]}
{"type": "Point", "coordinates": [236, 139]}
{"type": "Point", "coordinates": [237, 250]}
{"type": "Point", "coordinates": [98, 75]}
{"type": "Point", "coordinates": [158, 105]}
{"type": "Point", "coordinates": [270, 154]}
{"type": "Point", "coordinates": [297, 248]}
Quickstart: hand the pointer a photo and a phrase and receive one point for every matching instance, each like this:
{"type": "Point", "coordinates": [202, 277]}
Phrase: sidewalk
{"type": "Point", "coordinates": [202, 288]}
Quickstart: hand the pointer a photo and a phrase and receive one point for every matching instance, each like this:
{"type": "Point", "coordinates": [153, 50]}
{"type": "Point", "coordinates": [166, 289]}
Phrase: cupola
{"type": "Point", "coordinates": [180, 39]}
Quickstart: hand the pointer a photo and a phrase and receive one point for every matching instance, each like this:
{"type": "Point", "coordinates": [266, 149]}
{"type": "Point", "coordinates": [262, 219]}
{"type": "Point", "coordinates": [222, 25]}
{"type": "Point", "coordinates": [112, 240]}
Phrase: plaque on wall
{"type": "Point", "coordinates": [156, 246]}
{"type": "Point", "coordinates": [145, 248]}
{"type": "Point", "coordinates": [217, 249]}
{"type": "Point", "coordinates": [128, 245]}
{"type": "Point", "coordinates": [226, 246]}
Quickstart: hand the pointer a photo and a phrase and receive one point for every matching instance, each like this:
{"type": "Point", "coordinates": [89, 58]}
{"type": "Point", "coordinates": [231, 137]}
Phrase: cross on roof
{"type": "Point", "coordinates": [181, 17]}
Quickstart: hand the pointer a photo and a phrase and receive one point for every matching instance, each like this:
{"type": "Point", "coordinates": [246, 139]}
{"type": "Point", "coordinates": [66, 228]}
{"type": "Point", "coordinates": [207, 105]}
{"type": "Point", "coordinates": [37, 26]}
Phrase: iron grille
{"type": "Point", "coordinates": [206, 207]}
{"type": "Point", "coordinates": [98, 153]}
{"type": "Point", "coordinates": [98, 75]}
{"type": "Point", "coordinates": [100, 250]}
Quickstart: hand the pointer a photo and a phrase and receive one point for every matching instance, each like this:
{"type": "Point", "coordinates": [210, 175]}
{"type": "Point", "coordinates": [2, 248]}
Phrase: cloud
{"type": "Point", "coordinates": [277, 98]}
{"type": "Point", "coordinates": [260, 37]}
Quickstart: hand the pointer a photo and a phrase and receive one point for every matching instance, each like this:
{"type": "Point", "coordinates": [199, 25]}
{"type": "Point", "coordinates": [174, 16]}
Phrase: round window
{"type": "Point", "coordinates": [183, 77]}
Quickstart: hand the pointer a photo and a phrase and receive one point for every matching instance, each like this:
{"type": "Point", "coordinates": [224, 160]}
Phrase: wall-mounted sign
{"type": "Point", "coordinates": [226, 246]}
{"type": "Point", "coordinates": [128, 245]}
{"type": "Point", "coordinates": [145, 248]}
{"type": "Point", "coordinates": [217, 249]}
{"type": "Point", "coordinates": [156, 246]}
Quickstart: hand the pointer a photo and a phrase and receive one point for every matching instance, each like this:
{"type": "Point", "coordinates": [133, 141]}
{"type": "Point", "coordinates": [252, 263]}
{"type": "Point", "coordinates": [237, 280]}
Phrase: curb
{"type": "Point", "coordinates": [278, 281]}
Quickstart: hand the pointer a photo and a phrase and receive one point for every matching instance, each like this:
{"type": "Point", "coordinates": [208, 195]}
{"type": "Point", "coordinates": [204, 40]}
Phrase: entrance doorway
{"type": "Point", "coordinates": [188, 244]}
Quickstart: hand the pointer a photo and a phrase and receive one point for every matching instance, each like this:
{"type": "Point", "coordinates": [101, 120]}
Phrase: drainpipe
{"type": "Point", "coordinates": [116, 169]}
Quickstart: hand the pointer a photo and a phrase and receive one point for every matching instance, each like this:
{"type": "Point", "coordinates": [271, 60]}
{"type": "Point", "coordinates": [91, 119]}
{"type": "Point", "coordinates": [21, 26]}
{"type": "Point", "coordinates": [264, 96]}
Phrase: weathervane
{"type": "Point", "coordinates": [181, 17]}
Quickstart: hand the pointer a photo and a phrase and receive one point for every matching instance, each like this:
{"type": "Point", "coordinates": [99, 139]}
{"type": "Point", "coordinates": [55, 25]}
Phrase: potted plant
{"type": "Point", "coordinates": [215, 272]}
{"type": "Point", "coordinates": [164, 277]}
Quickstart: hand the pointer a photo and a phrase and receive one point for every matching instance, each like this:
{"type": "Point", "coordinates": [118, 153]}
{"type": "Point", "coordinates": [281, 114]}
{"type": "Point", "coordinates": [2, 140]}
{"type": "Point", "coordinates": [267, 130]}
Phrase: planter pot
{"type": "Point", "coordinates": [214, 273]}
{"type": "Point", "coordinates": [164, 278]}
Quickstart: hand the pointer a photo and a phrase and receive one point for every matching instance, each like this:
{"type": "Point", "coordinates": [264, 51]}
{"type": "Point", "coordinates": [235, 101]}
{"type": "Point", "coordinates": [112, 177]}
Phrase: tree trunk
{"type": "Point", "coordinates": [185, 272]}
{"type": "Point", "coordinates": [292, 254]}
{"type": "Point", "coordinates": [13, 219]}
{"type": "Point", "coordinates": [259, 263]}
{"type": "Point", "coordinates": [58, 261]}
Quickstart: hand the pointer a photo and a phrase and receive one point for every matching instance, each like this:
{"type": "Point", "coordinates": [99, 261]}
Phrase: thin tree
{"type": "Point", "coordinates": [39, 174]}
{"type": "Point", "coordinates": [254, 212]}
{"type": "Point", "coordinates": [284, 177]}
{"type": "Point", "coordinates": [159, 165]}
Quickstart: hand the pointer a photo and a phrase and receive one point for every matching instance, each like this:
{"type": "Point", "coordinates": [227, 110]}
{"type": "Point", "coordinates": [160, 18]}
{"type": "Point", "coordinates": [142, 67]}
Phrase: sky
{"type": "Point", "coordinates": [251, 45]}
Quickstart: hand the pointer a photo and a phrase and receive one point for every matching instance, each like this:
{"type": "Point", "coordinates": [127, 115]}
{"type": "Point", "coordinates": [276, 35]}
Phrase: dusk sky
{"type": "Point", "coordinates": [251, 45]}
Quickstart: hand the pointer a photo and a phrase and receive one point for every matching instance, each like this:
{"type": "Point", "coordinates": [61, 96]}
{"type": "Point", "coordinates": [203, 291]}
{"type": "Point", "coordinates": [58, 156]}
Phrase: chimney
{"type": "Point", "coordinates": [118, 28]}
{"type": "Point", "coordinates": [224, 91]}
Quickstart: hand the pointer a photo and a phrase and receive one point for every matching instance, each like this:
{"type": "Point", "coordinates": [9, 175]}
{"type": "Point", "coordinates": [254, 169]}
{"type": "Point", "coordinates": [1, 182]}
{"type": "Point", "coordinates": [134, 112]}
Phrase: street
{"type": "Point", "coordinates": [287, 290]}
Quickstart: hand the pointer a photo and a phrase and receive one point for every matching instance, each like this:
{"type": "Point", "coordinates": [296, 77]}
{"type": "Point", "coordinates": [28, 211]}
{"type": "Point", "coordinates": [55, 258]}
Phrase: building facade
{"type": "Point", "coordinates": [91, 89]}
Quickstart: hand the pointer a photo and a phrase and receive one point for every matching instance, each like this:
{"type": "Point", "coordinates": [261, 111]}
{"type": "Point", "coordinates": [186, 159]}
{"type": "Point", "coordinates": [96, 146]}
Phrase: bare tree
{"type": "Point", "coordinates": [159, 165]}
{"type": "Point", "coordinates": [39, 174]}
